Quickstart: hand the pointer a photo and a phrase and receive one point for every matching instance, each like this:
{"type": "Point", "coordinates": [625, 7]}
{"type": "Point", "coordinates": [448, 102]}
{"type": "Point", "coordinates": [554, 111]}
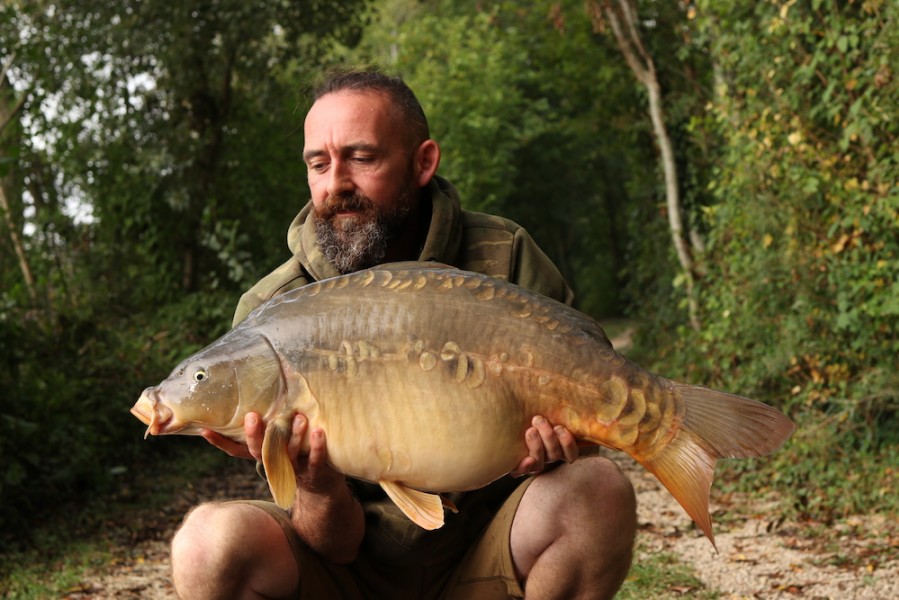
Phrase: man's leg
{"type": "Point", "coordinates": [573, 533]}
{"type": "Point", "coordinates": [233, 551]}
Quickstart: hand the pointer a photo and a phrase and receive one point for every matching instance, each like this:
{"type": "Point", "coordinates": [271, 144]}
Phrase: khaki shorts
{"type": "Point", "coordinates": [486, 572]}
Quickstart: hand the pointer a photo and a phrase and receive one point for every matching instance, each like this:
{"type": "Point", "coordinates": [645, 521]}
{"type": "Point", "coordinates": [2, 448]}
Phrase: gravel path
{"type": "Point", "coordinates": [760, 557]}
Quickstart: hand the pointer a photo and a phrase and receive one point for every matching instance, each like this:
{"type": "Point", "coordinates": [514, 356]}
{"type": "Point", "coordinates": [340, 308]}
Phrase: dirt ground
{"type": "Point", "coordinates": [759, 556]}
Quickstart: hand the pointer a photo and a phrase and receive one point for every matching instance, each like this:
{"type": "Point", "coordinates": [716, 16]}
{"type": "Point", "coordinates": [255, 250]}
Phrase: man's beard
{"type": "Point", "coordinates": [360, 241]}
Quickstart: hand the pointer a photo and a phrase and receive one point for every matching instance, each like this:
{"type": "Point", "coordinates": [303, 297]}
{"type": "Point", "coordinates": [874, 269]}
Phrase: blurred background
{"type": "Point", "coordinates": [716, 179]}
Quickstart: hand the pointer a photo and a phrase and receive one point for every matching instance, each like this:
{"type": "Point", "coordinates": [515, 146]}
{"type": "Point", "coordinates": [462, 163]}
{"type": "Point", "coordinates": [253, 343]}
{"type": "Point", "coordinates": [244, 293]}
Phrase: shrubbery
{"type": "Point", "coordinates": [65, 429]}
{"type": "Point", "coordinates": [800, 303]}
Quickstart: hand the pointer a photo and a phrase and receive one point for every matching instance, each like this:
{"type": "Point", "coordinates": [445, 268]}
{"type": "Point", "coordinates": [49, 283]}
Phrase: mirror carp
{"type": "Point", "coordinates": [425, 378]}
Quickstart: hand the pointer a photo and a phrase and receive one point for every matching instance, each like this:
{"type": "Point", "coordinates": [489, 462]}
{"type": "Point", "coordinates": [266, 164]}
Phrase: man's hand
{"type": "Point", "coordinates": [312, 471]}
{"type": "Point", "coordinates": [314, 474]}
{"type": "Point", "coordinates": [251, 422]}
{"type": "Point", "coordinates": [546, 444]}
{"type": "Point", "coordinates": [325, 514]}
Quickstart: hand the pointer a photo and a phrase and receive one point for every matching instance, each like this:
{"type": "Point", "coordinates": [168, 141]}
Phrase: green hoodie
{"type": "Point", "coordinates": [468, 240]}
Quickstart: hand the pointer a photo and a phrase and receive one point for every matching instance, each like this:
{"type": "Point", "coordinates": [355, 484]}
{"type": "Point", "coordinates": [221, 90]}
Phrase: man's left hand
{"type": "Point", "coordinates": [546, 444]}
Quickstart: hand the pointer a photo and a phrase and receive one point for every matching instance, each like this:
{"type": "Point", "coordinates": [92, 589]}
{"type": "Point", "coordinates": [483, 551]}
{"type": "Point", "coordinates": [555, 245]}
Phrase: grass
{"type": "Point", "coordinates": [32, 576]}
{"type": "Point", "coordinates": [661, 576]}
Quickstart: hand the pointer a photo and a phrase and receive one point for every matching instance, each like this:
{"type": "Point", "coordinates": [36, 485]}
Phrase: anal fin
{"type": "Point", "coordinates": [422, 508]}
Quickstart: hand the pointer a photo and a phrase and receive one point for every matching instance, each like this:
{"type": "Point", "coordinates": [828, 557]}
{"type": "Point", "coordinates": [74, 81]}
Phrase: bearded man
{"type": "Point", "coordinates": [566, 532]}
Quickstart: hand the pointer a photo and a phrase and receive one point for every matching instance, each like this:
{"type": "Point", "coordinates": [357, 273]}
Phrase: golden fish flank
{"type": "Point", "coordinates": [425, 377]}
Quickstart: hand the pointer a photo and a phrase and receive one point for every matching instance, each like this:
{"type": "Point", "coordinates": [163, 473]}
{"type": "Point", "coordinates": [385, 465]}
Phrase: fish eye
{"type": "Point", "coordinates": [201, 375]}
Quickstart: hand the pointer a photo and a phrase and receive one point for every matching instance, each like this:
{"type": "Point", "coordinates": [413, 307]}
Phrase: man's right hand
{"type": "Point", "coordinates": [251, 424]}
{"type": "Point", "coordinates": [313, 472]}
{"type": "Point", "coordinates": [325, 514]}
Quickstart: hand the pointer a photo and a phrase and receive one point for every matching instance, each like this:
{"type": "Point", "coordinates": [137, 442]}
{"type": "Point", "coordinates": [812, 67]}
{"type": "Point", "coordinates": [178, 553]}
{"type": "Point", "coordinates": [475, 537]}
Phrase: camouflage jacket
{"type": "Point", "coordinates": [468, 240]}
{"type": "Point", "coordinates": [472, 241]}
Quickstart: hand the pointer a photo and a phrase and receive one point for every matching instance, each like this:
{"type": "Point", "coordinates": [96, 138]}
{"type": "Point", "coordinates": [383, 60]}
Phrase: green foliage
{"type": "Point", "coordinates": [540, 120]}
{"type": "Point", "coordinates": [512, 97]}
{"type": "Point", "coordinates": [799, 299]}
{"type": "Point", "coordinates": [833, 467]}
{"type": "Point", "coordinates": [65, 429]}
{"type": "Point", "coordinates": [150, 176]}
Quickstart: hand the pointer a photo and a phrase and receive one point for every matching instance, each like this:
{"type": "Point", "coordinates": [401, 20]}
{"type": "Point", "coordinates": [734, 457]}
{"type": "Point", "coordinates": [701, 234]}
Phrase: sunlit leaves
{"type": "Point", "coordinates": [805, 112]}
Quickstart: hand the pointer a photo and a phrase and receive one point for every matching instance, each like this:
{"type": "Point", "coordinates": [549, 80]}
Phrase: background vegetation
{"type": "Point", "coordinates": [149, 166]}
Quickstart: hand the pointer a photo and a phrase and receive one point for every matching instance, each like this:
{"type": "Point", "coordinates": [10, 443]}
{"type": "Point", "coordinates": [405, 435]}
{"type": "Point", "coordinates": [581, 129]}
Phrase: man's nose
{"type": "Point", "coordinates": [339, 179]}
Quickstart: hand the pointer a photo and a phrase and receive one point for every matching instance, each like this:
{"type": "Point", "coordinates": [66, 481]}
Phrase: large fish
{"type": "Point", "coordinates": [426, 377]}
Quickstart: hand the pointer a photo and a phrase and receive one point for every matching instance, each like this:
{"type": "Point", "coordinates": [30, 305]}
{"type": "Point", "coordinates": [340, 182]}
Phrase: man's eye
{"type": "Point", "coordinates": [318, 167]}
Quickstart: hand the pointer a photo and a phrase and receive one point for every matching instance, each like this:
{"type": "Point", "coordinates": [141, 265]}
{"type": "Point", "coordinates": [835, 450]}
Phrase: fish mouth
{"type": "Point", "coordinates": [153, 413]}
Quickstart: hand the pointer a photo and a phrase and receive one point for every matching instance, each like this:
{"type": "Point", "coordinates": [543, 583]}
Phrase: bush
{"type": "Point", "coordinates": [65, 426]}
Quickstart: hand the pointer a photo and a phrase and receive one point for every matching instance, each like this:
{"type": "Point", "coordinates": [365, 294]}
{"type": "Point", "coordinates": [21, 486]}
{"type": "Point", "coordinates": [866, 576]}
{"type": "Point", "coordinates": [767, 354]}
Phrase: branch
{"type": "Point", "coordinates": [19, 103]}
{"type": "Point", "coordinates": [19, 247]}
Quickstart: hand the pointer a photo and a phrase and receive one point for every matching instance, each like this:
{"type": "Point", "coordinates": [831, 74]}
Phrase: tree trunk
{"type": "Point", "coordinates": [622, 17]}
{"type": "Point", "coordinates": [18, 246]}
{"type": "Point", "coordinates": [7, 114]}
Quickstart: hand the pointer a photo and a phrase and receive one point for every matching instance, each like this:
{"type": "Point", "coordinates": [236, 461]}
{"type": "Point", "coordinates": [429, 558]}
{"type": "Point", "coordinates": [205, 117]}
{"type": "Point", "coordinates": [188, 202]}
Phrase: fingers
{"type": "Point", "coordinates": [546, 444]}
{"type": "Point", "coordinates": [318, 453]}
{"type": "Point", "coordinates": [558, 442]}
{"type": "Point", "coordinates": [255, 432]}
{"type": "Point", "coordinates": [226, 445]}
{"type": "Point", "coordinates": [313, 471]}
{"type": "Point", "coordinates": [298, 432]}
{"type": "Point", "coordinates": [568, 444]}
{"type": "Point", "coordinates": [548, 438]}
{"type": "Point", "coordinates": [529, 464]}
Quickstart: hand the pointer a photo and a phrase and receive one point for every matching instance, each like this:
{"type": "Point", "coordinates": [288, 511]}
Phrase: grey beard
{"type": "Point", "coordinates": [362, 242]}
{"type": "Point", "coordinates": [356, 247]}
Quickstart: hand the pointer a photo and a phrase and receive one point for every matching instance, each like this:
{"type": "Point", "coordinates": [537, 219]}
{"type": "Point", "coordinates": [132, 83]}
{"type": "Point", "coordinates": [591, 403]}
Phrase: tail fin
{"type": "Point", "coordinates": [716, 425]}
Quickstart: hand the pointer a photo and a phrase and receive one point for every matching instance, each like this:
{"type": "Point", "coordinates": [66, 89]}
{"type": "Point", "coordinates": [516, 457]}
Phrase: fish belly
{"type": "Point", "coordinates": [420, 429]}
{"type": "Point", "coordinates": [433, 380]}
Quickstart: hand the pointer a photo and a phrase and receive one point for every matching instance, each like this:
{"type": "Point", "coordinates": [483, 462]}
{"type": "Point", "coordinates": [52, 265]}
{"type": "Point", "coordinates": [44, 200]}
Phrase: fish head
{"type": "Point", "coordinates": [214, 389]}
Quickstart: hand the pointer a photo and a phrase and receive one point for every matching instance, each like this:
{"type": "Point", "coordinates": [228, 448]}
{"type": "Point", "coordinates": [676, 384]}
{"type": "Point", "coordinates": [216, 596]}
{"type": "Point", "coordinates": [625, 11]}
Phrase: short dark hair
{"type": "Point", "coordinates": [375, 80]}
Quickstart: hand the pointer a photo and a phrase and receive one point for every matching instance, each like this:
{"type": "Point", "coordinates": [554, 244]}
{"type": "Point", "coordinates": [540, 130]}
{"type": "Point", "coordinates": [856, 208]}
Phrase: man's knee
{"type": "Point", "coordinates": [601, 481]}
{"type": "Point", "coordinates": [582, 516]}
{"type": "Point", "coordinates": [204, 546]}
{"type": "Point", "coordinates": [606, 516]}
{"type": "Point", "coordinates": [223, 548]}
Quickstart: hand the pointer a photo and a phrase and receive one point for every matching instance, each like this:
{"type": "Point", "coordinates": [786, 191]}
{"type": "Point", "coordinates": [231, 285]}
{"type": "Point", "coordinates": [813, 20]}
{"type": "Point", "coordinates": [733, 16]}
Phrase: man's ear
{"type": "Point", "coordinates": [427, 158]}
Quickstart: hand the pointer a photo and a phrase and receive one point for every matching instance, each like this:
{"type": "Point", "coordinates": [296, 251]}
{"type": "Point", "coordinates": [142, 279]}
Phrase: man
{"type": "Point", "coordinates": [567, 533]}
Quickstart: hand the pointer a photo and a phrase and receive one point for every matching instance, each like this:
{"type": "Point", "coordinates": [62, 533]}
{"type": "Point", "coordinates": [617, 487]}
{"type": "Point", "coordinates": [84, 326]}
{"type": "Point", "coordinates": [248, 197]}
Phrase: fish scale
{"type": "Point", "coordinates": [425, 378]}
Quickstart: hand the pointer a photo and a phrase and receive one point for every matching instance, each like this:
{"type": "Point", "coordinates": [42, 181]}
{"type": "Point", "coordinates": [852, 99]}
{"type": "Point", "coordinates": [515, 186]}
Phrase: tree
{"type": "Point", "coordinates": [624, 22]}
{"type": "Point", "coordinates": [522, 135]}
{"type": "Point", "coordinates": [9, 109]}
{"type": "Point", "coordinates": [150, 171]}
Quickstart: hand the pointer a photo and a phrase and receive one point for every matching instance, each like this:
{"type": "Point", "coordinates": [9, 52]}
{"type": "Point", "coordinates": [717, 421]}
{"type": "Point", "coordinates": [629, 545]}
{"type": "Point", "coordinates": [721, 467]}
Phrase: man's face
{"type": "Point", "coordinates": [360, 167]}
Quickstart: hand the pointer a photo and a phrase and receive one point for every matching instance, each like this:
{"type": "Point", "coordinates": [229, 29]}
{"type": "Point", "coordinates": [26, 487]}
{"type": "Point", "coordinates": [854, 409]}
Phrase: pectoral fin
{"type": "Point", "coordinates": [281, 477]}
{"type": "Point", "coordinates": [425, 510]}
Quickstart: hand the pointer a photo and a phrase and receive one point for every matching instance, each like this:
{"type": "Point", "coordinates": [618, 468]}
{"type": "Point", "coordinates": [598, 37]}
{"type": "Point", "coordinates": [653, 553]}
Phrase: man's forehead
{"type": "Point", "coordinates": [346, 120]}
{"type": "Point", "coordinates": [349, 107]}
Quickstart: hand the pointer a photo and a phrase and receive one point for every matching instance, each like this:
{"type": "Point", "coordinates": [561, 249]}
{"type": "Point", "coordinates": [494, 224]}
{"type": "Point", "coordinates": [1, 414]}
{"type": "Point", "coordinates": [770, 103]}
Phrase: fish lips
{"type": "Point", "coordinates": [153, 413]}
